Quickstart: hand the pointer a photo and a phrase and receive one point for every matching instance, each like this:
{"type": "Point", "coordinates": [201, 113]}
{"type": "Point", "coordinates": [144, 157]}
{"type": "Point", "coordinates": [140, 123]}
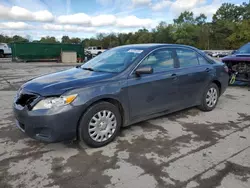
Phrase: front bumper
{"type": "Point", "coordinates": [52, 125]}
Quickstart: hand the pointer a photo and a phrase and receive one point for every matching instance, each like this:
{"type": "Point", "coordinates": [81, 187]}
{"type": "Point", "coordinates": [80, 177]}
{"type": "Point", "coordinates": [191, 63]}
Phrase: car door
{"type": "Point", "coordinates": [156, 92]}
{"type": "Point", "coordinates": [193, 76]}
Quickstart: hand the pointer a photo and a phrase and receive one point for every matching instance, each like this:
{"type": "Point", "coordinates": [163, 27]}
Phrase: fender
{"type": "Point", "coordinates": [92, 94]}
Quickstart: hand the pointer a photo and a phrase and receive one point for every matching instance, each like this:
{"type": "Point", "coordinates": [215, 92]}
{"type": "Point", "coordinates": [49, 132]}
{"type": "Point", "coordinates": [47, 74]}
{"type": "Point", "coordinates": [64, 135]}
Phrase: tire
{"type": "Point", "coordinates": [98, 121]}
{"type": "Point", "coordinates": [208, 103]}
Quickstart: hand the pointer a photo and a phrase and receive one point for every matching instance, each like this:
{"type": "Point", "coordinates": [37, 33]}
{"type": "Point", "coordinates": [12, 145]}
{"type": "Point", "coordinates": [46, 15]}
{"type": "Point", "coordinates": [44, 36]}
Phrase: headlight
{"type": "Point", "coordinates": [54, 102]}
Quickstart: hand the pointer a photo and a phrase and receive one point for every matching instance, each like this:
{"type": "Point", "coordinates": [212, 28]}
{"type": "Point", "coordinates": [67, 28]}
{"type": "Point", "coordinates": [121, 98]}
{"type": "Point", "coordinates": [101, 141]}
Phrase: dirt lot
{"type": "Point", "coordinates": [185, 149]}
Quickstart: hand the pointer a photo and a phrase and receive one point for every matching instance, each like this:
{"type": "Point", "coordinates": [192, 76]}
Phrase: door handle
{"type": "Point", "coordinates": [208, 69]}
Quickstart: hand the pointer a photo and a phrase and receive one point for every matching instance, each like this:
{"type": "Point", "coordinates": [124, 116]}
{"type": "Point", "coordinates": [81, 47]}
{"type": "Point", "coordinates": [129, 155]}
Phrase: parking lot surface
{"type": "Point", "coordinates": [184, 149]}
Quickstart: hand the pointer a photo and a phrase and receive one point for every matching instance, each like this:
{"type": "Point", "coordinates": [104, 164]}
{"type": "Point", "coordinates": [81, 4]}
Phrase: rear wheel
{"type": "Point", "coordinates": [99, 125]}
{"type": "Point", "coordinates": [210, 98]}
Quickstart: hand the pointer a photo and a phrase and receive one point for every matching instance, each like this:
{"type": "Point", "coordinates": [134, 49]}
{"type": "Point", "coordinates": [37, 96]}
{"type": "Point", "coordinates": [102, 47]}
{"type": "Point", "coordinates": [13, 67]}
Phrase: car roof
{"type": "Point", "coordinates": [155, 45]}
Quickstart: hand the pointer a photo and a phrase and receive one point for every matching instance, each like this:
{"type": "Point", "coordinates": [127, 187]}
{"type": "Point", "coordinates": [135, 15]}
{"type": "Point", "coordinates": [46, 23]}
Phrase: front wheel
{"type": "Point", "coordinates": [210, 98]}
{"type": "Point", "coordinates": [100, 124]}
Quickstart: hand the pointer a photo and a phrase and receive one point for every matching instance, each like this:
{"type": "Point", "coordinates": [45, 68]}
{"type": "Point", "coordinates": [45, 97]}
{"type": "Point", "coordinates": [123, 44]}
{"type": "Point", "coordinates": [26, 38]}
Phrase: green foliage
{"type": "Point", "coordinates": [15, 38]}
{"type": "Point", "coordinates": [185, 17]}
{"type": "Point", "coordinates": [229, 29]}
{"type": "Point", "coordinates": [240, 36]}
{"type": "Point", "coordinates": [229, 12]}
{"type": "Point", "coordinates": [48, 39]}
{"type": "Point", "coordinates": [66, 39]}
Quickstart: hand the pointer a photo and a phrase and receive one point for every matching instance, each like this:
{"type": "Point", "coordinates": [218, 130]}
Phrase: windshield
{"type": "Point", "coordinates": [244, 49]}
{"type": "Point", "coordinates": [115, 60]}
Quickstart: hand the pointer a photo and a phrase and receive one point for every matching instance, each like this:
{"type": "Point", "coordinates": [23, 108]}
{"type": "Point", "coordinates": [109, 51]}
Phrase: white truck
{"type": "Point", "coordinates": [5, 50]}
{"type": "Point", "coordinates": [95, 50]}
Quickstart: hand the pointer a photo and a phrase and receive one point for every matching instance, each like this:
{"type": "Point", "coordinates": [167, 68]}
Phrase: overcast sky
{"type": "Point", "coordinates": [85, 18]}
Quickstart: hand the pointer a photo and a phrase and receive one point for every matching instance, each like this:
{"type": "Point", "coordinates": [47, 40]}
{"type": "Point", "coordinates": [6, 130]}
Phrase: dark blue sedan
{"type": "Point", "coordinates": [117, 88]}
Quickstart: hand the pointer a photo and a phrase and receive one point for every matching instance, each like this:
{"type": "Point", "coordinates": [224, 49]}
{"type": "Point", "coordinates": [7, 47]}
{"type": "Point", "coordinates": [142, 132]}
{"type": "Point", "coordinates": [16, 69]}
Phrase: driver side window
{"type": "Point", "coordinates": [159, 60]}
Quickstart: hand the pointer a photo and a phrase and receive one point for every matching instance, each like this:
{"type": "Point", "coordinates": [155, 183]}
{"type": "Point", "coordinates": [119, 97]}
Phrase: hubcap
{"type": "Point", "coordinates": [102, 126]}
{"type": "Point", "coordinates": [212, 97]}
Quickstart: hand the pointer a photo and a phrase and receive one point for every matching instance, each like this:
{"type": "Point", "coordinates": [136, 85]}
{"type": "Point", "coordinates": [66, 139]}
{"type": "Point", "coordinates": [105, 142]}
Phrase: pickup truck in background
{"type": "Point", "coordinates": [95, 50]}
{"type": "Point", "coordinates": [5, 50]}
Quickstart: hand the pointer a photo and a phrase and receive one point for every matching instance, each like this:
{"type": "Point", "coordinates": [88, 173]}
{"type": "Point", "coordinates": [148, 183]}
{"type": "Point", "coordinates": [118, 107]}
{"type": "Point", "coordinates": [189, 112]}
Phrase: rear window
{"type": "Point", "coordinates": [187, 57]}
{"type": "Point", "coordinates": [202, 60]}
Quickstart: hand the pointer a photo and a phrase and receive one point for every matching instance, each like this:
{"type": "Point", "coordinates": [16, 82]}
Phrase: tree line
{"type": "Point", "coordinates": [229, 29]}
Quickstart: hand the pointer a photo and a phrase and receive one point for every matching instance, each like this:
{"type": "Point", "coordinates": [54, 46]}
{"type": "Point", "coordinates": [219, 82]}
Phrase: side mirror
{"type": "Point", "coordinates": [144, 70]}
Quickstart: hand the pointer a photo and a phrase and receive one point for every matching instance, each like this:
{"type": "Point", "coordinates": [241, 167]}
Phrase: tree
{"type": "Point", "coordinates": [246, 11]}
{"type": "Point", "coordinates": [163, 33]}
{"type": "Point", "coordinates": [185, 29]}
{"type": "Point", "coordinates": [91, 42]}
{"type": "Point", "coordinates": [201, 19]}
{"type": "Point", "coordinates": [229, 12]}
{"type": "Point", "coordinates": [185, 17]}
{"type": "Point", "coordinates": [122, 38]}
{"type": "Point", "coordinates": [66, 39]}
{"type": "Point", "coordinates": [17, 38]}
{"type": "Point", "coordinates": [144, 36]}
{"type": "Point", "coordinates": [48, 39]}
{"type": "Point", "coordinates": [4, 39]}
{"type": "Point", "coordinates": [75, 40]}
{"type": "Point", "coordinates": [240, 36]}
{"type": "Point", "coordinates": [113, 40]}
{"type": "Point", "coordinates": [229, 29]}
{"type": "Point", "coordinates": [226, 20]}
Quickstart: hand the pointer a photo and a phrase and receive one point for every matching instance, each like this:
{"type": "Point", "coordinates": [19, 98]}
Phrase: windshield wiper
{"type": "Point", "coordinates": [88, 68]}
{"type": "Point", "coordinates": [84, 68]}
{"type": "Point", "coordinates": [78, 66]}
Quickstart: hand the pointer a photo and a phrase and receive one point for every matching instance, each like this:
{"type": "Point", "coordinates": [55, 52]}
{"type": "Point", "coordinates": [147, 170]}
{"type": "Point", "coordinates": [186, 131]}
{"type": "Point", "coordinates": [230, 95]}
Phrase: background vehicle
{"type": "Point", "coordinates": [95, 50]}
{"type": "Point", "coordinates": [4, 50]}
{"type": "Point", "coordinates": [117, 88]}
{"type": "Point", "coordinates": [239, 63]}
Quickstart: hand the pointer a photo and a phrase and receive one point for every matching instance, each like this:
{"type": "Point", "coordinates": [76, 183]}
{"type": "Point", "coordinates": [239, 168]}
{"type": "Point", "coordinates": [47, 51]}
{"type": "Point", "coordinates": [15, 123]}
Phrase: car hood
{"type": "Point", "coordinates": [60, 82]}
{"type": "Point", "coordinates": [237, 57]}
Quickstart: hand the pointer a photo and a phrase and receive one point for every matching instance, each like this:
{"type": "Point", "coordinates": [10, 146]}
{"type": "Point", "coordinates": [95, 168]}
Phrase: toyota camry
{"type": "Point", "coordinates": [117, 88]}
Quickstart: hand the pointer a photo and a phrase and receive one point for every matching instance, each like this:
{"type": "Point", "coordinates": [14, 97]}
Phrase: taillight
{"type": "Point", "coordinates": [226, 68]}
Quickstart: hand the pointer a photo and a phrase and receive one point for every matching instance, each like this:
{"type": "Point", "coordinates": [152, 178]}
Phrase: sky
{"type": "Point", "coordinates": [86, 18]}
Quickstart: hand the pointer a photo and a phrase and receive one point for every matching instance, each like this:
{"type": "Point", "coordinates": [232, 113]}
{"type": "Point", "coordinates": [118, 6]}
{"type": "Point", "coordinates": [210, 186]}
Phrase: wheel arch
{"type": "Point", "coordinates": [111, 100]}
{"type": "Point", "coordinates": [217, 82]}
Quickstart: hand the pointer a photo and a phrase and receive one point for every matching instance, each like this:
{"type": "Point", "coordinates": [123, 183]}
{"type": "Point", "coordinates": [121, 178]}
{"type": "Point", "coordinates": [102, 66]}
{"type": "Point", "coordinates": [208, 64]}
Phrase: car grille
{"type": "Point", "coordinates": [25, 99]}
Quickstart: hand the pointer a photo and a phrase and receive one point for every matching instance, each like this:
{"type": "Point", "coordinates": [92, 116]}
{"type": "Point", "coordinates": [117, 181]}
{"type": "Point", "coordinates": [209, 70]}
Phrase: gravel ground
{"type": "Point", "coordinates": [184, 149]}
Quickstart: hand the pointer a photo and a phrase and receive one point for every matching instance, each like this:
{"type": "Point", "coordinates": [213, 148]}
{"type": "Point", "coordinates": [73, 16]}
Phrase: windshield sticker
{"type": "Point", "coordinates": [135, 51]}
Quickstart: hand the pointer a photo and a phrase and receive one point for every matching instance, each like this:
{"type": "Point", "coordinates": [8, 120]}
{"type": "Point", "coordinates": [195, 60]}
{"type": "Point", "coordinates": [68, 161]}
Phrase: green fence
{"type": "Point", "coordinates": [44, 51]}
